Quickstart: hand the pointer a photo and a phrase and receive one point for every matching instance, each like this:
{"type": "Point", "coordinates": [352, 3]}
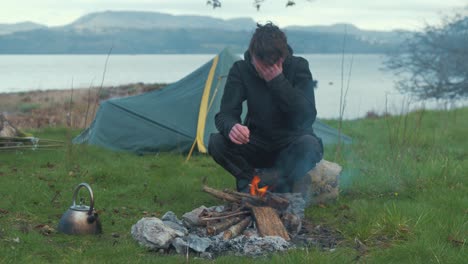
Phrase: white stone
{"type": "Point", "coordinates": [192, 218]}
{"type": "Point", "coordinates": [152, 233]}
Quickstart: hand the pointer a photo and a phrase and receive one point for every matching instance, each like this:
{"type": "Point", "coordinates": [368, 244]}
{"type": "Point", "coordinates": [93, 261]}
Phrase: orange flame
{"type": "Point", "coordinates": [254, 190]}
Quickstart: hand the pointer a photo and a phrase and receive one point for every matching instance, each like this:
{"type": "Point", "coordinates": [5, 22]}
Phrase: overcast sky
{"type": "Point", "coordinates": [366, 14]}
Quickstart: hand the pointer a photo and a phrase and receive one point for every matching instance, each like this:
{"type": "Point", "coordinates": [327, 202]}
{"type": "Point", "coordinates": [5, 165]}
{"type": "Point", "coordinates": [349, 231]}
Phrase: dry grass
{"type": "Point", "coordinates": [55, 108]}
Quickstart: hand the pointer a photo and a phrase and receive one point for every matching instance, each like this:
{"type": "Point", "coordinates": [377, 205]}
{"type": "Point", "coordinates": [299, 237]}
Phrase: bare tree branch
{"type": "Point", "coordinates": [256, 3]}
{"type": "Point", "coordinates": [433, 64]}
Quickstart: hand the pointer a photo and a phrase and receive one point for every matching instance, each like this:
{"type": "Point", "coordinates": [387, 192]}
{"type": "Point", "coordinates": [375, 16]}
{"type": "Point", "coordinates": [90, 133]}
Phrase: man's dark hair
{"type": "Point", "coordinates": [269, 44]}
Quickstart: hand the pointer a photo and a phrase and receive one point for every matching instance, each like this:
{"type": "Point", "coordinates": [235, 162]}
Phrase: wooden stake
{"type": "Point", "coordinates": [268, 222]}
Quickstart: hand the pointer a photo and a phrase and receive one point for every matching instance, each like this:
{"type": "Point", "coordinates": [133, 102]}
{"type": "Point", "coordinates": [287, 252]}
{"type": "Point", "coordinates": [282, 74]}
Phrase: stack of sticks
{"type": "Point", "coordinates": [243, 209]}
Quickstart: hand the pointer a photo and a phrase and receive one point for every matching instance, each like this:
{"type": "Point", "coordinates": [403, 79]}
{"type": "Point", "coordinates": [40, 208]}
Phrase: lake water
{"type": "Point", "coordinates": [370, 88]}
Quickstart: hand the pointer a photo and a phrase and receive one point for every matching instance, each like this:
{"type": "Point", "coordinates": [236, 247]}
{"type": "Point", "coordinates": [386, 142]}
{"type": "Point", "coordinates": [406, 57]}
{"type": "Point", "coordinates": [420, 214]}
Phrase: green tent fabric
{"type": "Point", "coordinates": [168, 119]}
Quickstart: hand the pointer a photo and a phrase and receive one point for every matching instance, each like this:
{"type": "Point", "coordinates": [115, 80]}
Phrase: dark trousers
{"type": "Point", "coordinates": [288, 162]}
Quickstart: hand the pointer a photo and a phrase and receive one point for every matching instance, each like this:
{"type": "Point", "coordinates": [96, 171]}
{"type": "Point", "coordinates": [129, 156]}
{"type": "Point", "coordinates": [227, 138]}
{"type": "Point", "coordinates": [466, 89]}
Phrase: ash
{"type": "Point", "coordinates": [249, 245]}
{"type": "Point", "coordinates": [189, 236]}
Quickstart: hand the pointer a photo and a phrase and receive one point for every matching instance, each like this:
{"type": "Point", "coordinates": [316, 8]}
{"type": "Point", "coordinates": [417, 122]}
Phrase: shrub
{"type": "Point", "coordinates": [28, 107]}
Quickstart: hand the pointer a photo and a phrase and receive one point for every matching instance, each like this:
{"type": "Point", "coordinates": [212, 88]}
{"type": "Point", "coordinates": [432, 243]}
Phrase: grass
{"type": "Point", "coordinates": [403, 196]}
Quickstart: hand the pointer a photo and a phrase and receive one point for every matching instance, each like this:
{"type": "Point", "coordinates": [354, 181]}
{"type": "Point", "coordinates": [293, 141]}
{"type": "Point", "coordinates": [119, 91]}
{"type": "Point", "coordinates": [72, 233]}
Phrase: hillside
{"type": "Point", "coordinates": [153, 20]}
{"type": "Point", "coordinates": [130, 32]}
{"type": "Point", "coordinates": [23, 26]}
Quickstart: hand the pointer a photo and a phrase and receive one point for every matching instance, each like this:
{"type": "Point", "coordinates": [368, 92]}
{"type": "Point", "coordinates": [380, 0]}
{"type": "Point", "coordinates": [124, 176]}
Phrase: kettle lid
{"type": "Point", "coordinates": [79, 207]}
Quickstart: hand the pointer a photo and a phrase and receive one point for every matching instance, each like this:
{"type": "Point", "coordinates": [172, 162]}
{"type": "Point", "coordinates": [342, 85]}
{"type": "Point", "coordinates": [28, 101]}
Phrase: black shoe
{"type": "Point", "coordinates": [268, 177]}
{"type": "Point", "coordinates": [243, 185]}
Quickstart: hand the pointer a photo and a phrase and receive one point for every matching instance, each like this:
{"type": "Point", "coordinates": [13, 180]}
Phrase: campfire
{"type": "Point", "coordinates": [254, 223]}
{"type": "Point", "coordinates": [260, 206]}
{"type": "Point", "coordinates": [247, 224]}
{"type": "Point", "coordinates": [254, 190]}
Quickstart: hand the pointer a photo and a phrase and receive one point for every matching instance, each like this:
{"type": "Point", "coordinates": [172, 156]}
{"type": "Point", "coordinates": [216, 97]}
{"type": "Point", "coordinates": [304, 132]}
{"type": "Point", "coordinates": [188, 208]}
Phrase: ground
{"type": "Point", "coordinates": [403, 196]}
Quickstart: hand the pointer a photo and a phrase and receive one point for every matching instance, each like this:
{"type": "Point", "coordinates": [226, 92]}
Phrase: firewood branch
{"type": "Point", "coordinates": [237, 229]}
{"type": "Point", "coordinates": [224, 216]}
{"type": "Point", "coordinates": [245, 195]}
{"type": "Point", "coordinates": [221, 195]}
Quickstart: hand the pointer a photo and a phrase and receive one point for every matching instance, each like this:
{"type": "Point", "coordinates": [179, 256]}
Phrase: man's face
{"type": "Point", "coordinates": [256, 62]}
{"type": "Point", "coordinates": [264, 70]}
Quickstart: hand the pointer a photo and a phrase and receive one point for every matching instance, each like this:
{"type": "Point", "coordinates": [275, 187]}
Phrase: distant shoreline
{"type": "Point", "coordinates": [65, 107]}
{"type": "Point", "coordinates": [112, 89]}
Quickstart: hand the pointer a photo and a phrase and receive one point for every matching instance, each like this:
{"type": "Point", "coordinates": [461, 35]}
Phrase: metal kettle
{"type": "Point", "coordinates": [80, 219]}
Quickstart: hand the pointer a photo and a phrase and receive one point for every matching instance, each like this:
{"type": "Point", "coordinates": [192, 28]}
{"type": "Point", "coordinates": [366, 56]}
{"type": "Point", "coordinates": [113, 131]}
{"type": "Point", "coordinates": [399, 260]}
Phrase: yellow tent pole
{"type": "Point", "coordinates": [203, 112]}
{"type": "Point", "coordinates": [204, 107]}
{"type": "Point", "coordinates": [191, 151]}
{"type": "Point", "coordinates": [215, 92]}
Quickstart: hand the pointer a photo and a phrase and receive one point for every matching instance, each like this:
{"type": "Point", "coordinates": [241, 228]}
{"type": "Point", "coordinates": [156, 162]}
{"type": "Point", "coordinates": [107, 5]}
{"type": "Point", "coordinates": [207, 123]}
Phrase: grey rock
{"type": "Point", "coordinates": [152, 233]}
{"type": "Point", "coordinates": [219, 208]}
{"type": "Point", "coordinates": [171, 217]}
{"type": "Point", "coordinates": [176, 226]}
{"type": "Point", "coordinates": [180, 245]}
{"type": "Point", "coordinates": [192, 219]}
{"type": "Point", "coordinates": [199, 244]}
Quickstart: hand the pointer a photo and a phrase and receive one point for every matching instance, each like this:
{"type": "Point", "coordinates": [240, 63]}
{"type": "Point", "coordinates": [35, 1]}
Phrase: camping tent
{"type": "Point", "coordinates": [176, 118]}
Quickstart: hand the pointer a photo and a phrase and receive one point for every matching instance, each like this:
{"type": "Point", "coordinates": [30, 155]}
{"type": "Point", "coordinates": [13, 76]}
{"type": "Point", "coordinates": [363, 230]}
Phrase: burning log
{"type": "Point", "coordinates": [277, 202]}
{"type": "Point", "coordinates": [245, 195]}
{"type": "Point", "coordinates": [237, 229]}
{"type": "Point", "coordinates": [269, 223]}
{"type": "Point", "coordinates": [270, 199]}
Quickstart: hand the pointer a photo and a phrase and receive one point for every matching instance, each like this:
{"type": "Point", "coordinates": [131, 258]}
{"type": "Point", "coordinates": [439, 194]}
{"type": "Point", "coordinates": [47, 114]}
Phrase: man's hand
{"type": "Point", "coordinates": [267, 72]}
{"type": "Point", "coordinates": [239, 134]}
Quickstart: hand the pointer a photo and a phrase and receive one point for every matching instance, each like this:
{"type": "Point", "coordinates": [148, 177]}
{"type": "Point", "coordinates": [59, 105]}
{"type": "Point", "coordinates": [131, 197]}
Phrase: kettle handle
{"type": "Point", "coordinates": [91, 205]}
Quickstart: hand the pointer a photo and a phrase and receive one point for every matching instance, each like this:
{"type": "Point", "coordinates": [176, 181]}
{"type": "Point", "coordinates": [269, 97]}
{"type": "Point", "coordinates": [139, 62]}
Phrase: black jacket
{"type": "Point", "coordinates": [278, 110]}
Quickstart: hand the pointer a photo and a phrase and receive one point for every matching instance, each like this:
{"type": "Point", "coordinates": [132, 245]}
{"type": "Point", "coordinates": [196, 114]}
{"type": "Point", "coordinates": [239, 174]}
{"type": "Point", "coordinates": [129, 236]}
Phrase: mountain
{"type": "Point", "coordinates": [128, 32]}
{"type": "Point", "coordinates": [23, 26]}
{"type": "Point", "coordinates": [389, 37]}
{"type": "Point", "coordinates": [153, 20]}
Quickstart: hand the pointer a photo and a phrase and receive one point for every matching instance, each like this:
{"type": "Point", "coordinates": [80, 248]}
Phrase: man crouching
{"type": "Point", "coordinates": [277, 131]}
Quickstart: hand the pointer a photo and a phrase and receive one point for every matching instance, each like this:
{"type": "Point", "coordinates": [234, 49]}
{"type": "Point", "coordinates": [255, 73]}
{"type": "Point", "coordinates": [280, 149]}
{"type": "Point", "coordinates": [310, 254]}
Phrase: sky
{"type": "Point", "coordinates": [366, 14]}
